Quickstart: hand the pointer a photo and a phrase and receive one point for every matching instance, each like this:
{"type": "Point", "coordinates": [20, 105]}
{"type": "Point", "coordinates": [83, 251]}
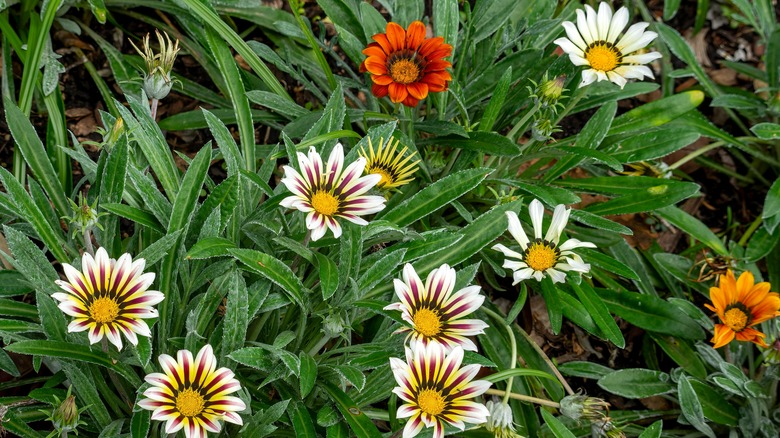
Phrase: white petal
{"type": "Point", "coordinates": [578, 60]}
{"type": "Point", "coordinates": [582, 26]}
{"type": "Point", "coordinates": [516, 229]}
{"type": "Point", "coordinates": [603, 20]}
{"type": "Point", "coordinates": [592, 20]}
{"type": "Point", "coordinates": [558, 223]}
{"type": "Point", "coordinates": [588, 77]}
{"type": "Point", "coordinates": [574, 35]}
{"type": "Point", "coordinates": [570, 244]}
{"type": "Point", "coordinates": [617, 79]}
{"type": "Point", "coordinates": [619, 22]}
{"type": "Point", "coordinates": [632, 34]}
{"type": "Point", "coordinates": [640, 43]}
{"type": "Point", "coordinates": [643, 58]}
{"type": "Point", "coordinates": [536, 210]}
{"type": "Point", "coordinates": [556, 276]}
{"type": "Point", "coordinates": [569, 47]}
{"type": "Point", "coordinates": [525, 274]}
{"type": "Point", "coordinates": [634, 71]}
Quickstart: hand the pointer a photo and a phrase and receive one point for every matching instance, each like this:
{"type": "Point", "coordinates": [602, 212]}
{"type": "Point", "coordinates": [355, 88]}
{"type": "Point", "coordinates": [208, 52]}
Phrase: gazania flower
{"type": "Point", "coordinates": [434, 312]}
{"type": "Point", "coordinates": [594, 43]}
{"type": "Point", "coordinates": [406, 65]}
{"type": "Point", "coordinates": [740, 305]}
{"type": "Point", "coordinates": [436, 390]}
{"type": "Point", "coordinates": [193, 395]}
{"type": "Point", "coordinates": [108, 297]}
{"type": "Point", "coordinates": [395, 169]}
{"type": "Point", "coordinates": [540, 257]}
{"type": "Point", "coordinates": [329, 192]}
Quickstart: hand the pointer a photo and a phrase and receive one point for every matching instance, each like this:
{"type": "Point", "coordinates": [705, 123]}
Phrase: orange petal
{"type": "Point", "coordinates": [745, 283]}
{"type": "Point", "coordinates": [374, 66]}
{"type": "Point", "coordinates": [723, 335]}
{"type": "Point", "coordinates": [415, 35]}
{"type": "Point", "coordinates": [752, 335]}
{"type": "Point", "coordinates": [718, 300]}
{"type": "Point", "coordinates": [397, 92]}
{"type": "Point", "coordinates": [410, 101]}
{"type": "Point", "coordinates": [437, 64]}
{"type": "Point", "coordinates": [396, 35]}
{"type": "Point", "coordinates": [383, 42]}
{"type": "Point", "coordinates": [443, 51]}
{"type": "Point", "coordinates": [382, 79]}
{"type": "Point", "coordinates": [418, 90]}
{"type": "Point", "coordinates": [375, 49]}
{"type": "Point", "coordinates": [756, 294]}
{"type": "Point", "coordinates": [430, 45]}
{"type": "Point", "coordinates": [362, 68]}
{"type": "Point", "coordinates": [379, 91]}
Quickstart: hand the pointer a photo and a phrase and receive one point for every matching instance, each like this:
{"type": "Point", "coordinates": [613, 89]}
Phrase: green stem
{"type": "Point", "coordinates": [513, 345]}
{"type": "Point", "coordinates": [521, 123]}
{"type": "Point", "coordinates": [522, 397]}
{"type": "Point", "coordinates": [88, 242]}
{"type": "Point", "coordinates": [695, 154]}
{"type": "Point", "coordinates": [410, 123]}
{"type": "Point", "coordinates": [547, 360]}
{"type": "Point", "coordinates": [749, 232]}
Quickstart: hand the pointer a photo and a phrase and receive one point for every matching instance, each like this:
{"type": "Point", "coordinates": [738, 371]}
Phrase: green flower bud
{"type": "Point", "coordinates": [66, 416]}
{"type": "Point", "coordinates": [550, 91]}
{"type": "Point", "coordinates": [333, 326]}
{"type": "Point", "coordinates": [84, 216]}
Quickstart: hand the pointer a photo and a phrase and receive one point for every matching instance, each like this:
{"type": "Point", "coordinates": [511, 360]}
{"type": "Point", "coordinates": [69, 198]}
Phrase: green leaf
{"type": "Point", "coordinates": [113, 429]}
{"type": "Point", "coordinates": [652, 198]}
{"type": "Point", "coordinates": [7, 364]}
{"type": "Point", "coordinates": [29, 144]}
{"type": "Point", "coordinates": [210, 247]}
{"type": "Point", "coordinates": [225, 142]}
{"type": "Point", "coordinates": [51, 238]}
{"type": "Point", "coordinates": [767, 131]}
{"type": "Point", "coordinates": [714, 405]}
{"type": "Point", "coordinates": [653, 431]}
{"type": "Point", "coordinates": [653, 144]}
{"type": "Point", "coordinates": [761, 244]}
{"type": "Point", "coordinates": [140, 217]}
{"type": "Point", "coordinates": [772, 205]}
{"type": "Point", "coordinates": [380, 270]}
{"type": "Point", "coordinates": [681, 352]}
{"type": "Point", "coordinates": [636, 383]}
{"type": "Point", "coordinates": [87, 394]}
{"type": "Point", "coordinates": [651, 313]}
{"type": "Point", "coordinates": [308, 373]}
{"type": "Point", "coordinates": [693, 227]}
{"type": "Point", "coordinates": [588, 370]}
{"type": "Point", "coordinates": [499, 93]}
{"type": "Point", "coordinates": [67, 350]}
{"type": "Point", "coordinates": [656, 113]}
{"type": "Point", "coordinates": [30, 261]}
{"type": "Point", "coordinates": [344, 14]}
{"type": "Point", "coordinates": [435, 196]}
{"type": "Point", "coordinates": [691, 406]}
{"type": "Point", "coordinates": [158, 249]}
{"type": "Point", "coordinates": [683, 50]}
{"type": "Point", "coordinates": [558, 429]}
{"type": "Point", "coordinates": [13, 283]}
{"type": "Point", "coordinates": [274, 270]}
{"type": "Point", "coordinates": [552, 299]}
{"type": "Point", "coordinates": [112, 186]}
{"type": "Point", "coordinates": [446, 16]}
{"type": "Point", "coordinates": [603, 261]}
{"type": "Point", "coordinates": [301, 419]}
{"type": "Point", "coordinates": [503, 375]}
{"type": "Point", "coordinates": [598, 311]}
{"type": "Point", "coordinates": [361, 425]}
{"type": "Point", "coordinates": [236, 319]}
{"type": "Point", "coordinates": [140, 423]}
{"type": "Point", "coordinates": [52, 319]}
{"type": "Point", "coordinates": [491, 143]}
{"type": "Point", "coordinates": [329, 276]}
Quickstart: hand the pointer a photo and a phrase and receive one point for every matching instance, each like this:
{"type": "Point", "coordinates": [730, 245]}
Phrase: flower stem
{"type": "Point", "coordinates": [513, 344]}
{"type": "Point", "coordinates": [153, 105]}
{"type": "Point", "coordinates": [513, 133]}
{"type": "Point", "coordinates": [525, 398]}
{"type": "Point", "coordinates": [88, 241]}
{"type": "Point", "coordinates": [547, 360]}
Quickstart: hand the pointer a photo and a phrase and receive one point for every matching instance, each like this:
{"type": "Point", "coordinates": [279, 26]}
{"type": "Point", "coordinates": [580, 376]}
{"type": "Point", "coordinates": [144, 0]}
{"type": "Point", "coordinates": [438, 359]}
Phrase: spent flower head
{"type": "Point", "coordinates": [593, 42]}
{"type": "Point", "coordinates": [500, 422]}
{"type": "Point", "coordinates": [157, 76]}
{"type": "Point", "coordinates": [547, 255]}
{"type": "Point", "coordinates": [579, 407]}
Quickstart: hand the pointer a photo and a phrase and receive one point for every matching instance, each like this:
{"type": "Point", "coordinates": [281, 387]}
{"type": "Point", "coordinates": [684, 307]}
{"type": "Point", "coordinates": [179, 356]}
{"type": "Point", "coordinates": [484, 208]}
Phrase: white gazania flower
{"type": "Point", "coordinates": [434, 312]}
{"type": "Point", "coordinates": [193, 395]}
{"type": "Point", "coordinates": [540, 256]}
{"type": "Point", "coordinates": [109, 297]}
{"type": "Point", "coordinates": [330, 192]}
{"type": "Point", "coordinates": [592, 43]}
{"type": "Point", "coordinates": [436, 390]}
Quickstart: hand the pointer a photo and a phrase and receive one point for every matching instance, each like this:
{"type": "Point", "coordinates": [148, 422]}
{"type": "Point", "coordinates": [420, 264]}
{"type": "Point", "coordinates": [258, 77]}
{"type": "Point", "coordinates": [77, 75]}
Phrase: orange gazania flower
{"type": "Point", "coordinates": [406, 65]}
{"type": "Point", "coordinates": [740, 305]}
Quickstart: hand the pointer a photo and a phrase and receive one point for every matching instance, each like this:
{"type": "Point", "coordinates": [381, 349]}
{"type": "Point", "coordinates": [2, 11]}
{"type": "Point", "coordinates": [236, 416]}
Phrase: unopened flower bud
{"type": "Point", "coordinates": [500, 421]}
{"type": "Point", "coordinates": [66, 416]}
{"type": "Point", "coordinates": [551, 90]}
{"type": "Point", "coordinates": [579, 407]}
{"type": "Point", "coordinates": [333, 326]}
{"type": "Point", "coordinates": [542, 129]}
{"type": "Point", "coordinates": [84, 216]}
{"type": "Point", "coordinates": [157, 77]}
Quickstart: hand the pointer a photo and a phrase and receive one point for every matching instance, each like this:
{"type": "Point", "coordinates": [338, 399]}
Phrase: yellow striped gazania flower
{"type": "Point", "coordinates": [108, 297]}
{"type": "Point", "coordinates": [395, 170]}
{"type": "Point", "coordinates": [436, 390]}
{"type": "Point", "coordinates": [193, 394]}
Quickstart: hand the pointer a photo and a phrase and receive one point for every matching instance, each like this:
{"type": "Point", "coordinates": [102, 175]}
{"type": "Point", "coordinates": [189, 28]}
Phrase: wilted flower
{"type": "Point", "coordinates": [406, 65]}
{"type": "Point", "coordinates": [579, 407]}
{"type": "Point", "coordinates": [157, 77]}
{"type": "Point", "coordinates": [109, 297]}
{"type": "Point", "coordinates": [436, 390]}
{"type": "Point", "coordinates": [395, 169]}
{"type": "Point", "coordinates": [647, 168]}
{"type": "Point", "coordinates": [741, 305]}
{"type": "Point", "coordinates": [592, 43]}
{"type": "Point", "coordinates": [193, 395]}
{"type": "Point", "coordinates": [540, 257]}
{"type": "Point", "coordinates": [605, 428]}
{"type": "Point", "coordinates": [500, 421]}
{"type": "Point", "coordinates": [331, 192]}
{"type": "Point", "coordinates": [434, 312]}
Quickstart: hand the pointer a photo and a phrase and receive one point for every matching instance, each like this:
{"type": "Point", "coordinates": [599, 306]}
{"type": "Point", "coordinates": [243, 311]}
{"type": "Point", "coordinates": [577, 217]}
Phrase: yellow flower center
{"type": "Point", "coordinates": [603, 57]}
{"type": "Point", "coordinates": [324, 203]}
{"type": "Point", "coordinates": [190, 403]}
{"type": "Point", "coordinates": [736, 319]}
{"type": "Point", "coordinates": [104, 310]}
{"type": "Point", "coordinates": [387, 176]}
{"type": "Point", "coordinates": [427, 322]}
{"type": "Point", "coordinates": [540, 256]}
{"type": "Point", "coordinates": [404, 71]}
{"type": "Point", "coordinates": [431, 402]}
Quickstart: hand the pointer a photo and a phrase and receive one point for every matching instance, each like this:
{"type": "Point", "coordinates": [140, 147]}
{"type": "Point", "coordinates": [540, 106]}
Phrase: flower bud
{"type": "Point", "coordinates": [333, 326]}
{"type": "Point", "coordinates": [84, 216]}
{"type": "Point", "coordinates": [66, 416]}
{"type": "Point", "coordinates": [551, 90]}
{"type": "Point", "coordinates": [543, 128]}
